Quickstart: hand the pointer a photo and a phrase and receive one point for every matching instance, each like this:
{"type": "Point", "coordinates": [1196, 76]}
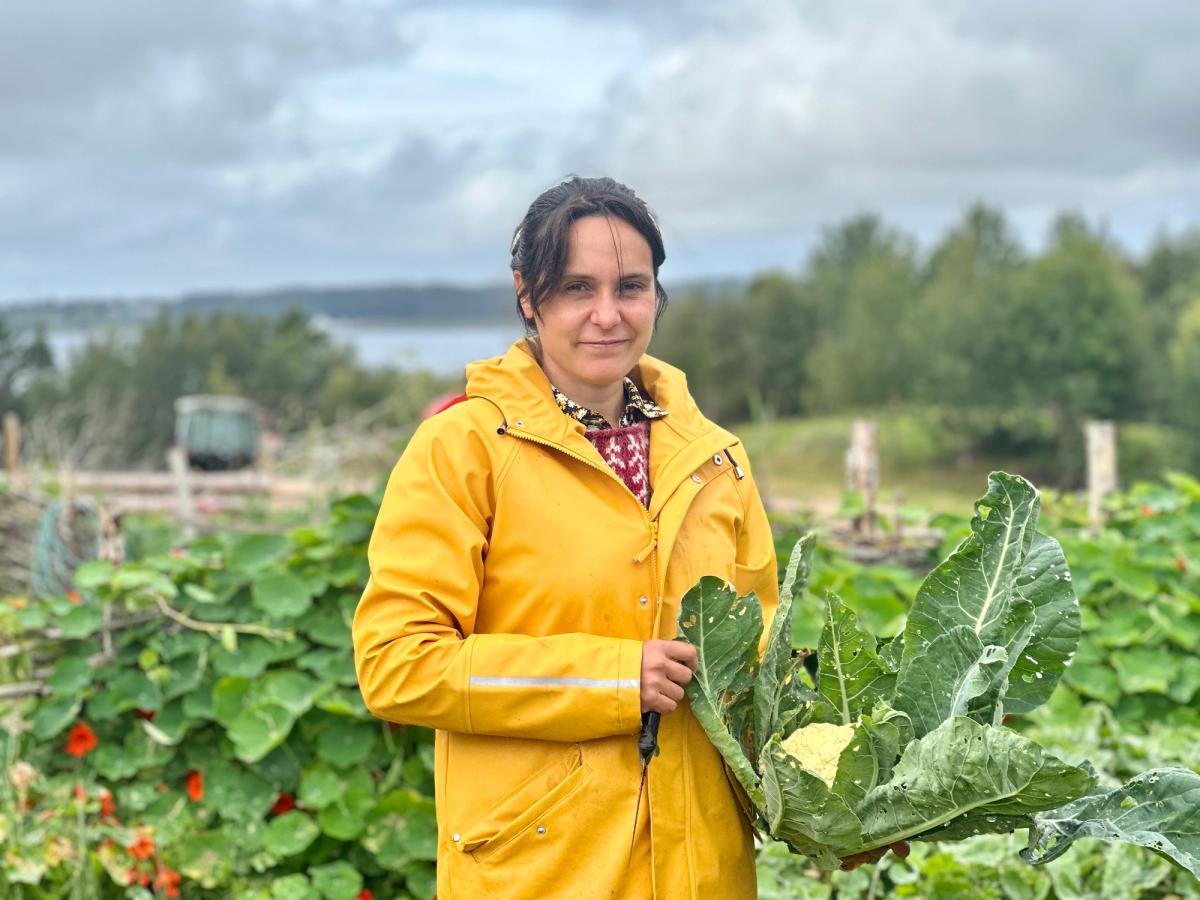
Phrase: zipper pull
{"type": "Point", "coordinates": [737, 470]}
{"type": "Point", "coordinates": [649, 548]}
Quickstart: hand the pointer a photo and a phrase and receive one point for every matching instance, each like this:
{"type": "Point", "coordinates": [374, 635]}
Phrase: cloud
{"type": "Point", "coordinates": [152, 146]}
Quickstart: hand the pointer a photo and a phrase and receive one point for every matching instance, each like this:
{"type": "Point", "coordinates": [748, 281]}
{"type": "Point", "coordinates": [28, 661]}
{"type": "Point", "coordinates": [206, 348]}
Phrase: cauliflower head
{"type": "Point", "coordinates": [818, 746]}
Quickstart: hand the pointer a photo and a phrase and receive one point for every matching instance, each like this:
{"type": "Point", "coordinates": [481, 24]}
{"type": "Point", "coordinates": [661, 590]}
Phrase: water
{"type": "Point", "coordinates": [442, 349]}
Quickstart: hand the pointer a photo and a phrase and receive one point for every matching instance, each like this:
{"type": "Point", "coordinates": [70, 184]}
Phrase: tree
{"type": "Point", "coordinates": [1075, 339]}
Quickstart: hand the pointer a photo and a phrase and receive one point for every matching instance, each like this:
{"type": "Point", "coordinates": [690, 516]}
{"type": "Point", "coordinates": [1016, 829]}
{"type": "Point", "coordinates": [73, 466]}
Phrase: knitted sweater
{"type": "Point", "coordinates": [627, 452]}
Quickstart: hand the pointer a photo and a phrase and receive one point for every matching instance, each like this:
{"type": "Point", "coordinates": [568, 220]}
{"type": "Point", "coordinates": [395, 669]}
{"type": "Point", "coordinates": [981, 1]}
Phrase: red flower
{"type": "Point", "coordinates": [1181, 564]}
{"type": "Point", "coordinates": [147, 714]}
{"type": "Point", "coordinates": [80, 793]}
{"type": "Point", "coordinates": [145, 879]}
{"type": "Point", "coordinates": [283, 804]}
{"type": "Point", "coordinates": [364, 894]}
{"type": "Point", "coordinates": [73, 596]}
{"type": "Point", "coordinates": [167, 880]}
{"type": "Point", "coordinates": [178, 553]}
{"type": "Point", "coordinates": [107, 807]}
{"type": "Point", "coordinates": [1146, 510]}
{"type": "Point", "coordinates": [195, 785]}
{"type": "Point", "coordinates": [132, 877]}
{"type": "Point", "coordinates": [81, 741]}
{"type": "Point", "coordinates": [142, 848]}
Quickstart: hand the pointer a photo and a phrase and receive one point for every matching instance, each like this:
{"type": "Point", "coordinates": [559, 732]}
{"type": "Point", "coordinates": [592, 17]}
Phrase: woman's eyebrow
{"type": "Point", "coordinates": [577, 276]}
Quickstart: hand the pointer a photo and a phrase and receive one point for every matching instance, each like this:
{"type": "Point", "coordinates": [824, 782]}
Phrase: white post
{"type": "Point", "coordinates": [862, 471]}
{"type": "Point", "coordinates": [1101, 467]}
{"type": "Point", "coordinates": [183, 491]}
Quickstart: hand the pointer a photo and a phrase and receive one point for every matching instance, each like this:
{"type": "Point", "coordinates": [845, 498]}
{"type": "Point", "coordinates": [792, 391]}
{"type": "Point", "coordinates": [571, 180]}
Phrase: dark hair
{"type": "Point", "coordinates": [542, 240]}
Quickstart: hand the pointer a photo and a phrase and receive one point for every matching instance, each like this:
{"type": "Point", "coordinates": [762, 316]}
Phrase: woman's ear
{"type": "Point", "coordinates": [519, 287]}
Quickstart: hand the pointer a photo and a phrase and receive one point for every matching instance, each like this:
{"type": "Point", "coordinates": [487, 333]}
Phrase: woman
{"type": "Point", "coordinates": [526, 570]}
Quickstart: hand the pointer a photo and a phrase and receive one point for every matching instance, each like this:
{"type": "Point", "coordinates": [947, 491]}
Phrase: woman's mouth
{"type": "Point", "coordinates": [607, 343]}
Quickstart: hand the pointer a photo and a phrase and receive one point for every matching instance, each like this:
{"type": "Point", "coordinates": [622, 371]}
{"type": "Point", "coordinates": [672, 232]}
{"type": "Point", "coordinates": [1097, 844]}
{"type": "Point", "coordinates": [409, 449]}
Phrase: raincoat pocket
{"type": "Point", "coordinates": [528, 806]}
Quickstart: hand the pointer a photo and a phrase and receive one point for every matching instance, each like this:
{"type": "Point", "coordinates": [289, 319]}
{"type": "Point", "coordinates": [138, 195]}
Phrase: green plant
{"type": "Point", "coordinates": [203, 712]}
{"type": "Point", "coordinates": [989, 634]}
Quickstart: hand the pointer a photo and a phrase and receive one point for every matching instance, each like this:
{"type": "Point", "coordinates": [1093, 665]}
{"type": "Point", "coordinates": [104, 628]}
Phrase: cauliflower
{"type": "Point", "coordinates": [818, 746]}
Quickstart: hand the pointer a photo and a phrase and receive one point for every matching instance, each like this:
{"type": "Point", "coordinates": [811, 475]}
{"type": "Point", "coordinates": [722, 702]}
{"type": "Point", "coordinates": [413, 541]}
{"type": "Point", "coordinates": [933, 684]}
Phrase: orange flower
{"type": "Point", "coordinates": [73, 596]}
{"type": "Point", "coordinates": [168, 880]}
{"type": "Point", "coordinates": [142, 848]}
{"type": "Point", "coordinates": [80, 793]}
{"type": "Point", "coordinates": [283, 804]}
{"type": "Point", "coordinates": [107, 807]}
{"type": "Point", "coordinates": [1181, 564]}
{"type": "Point", "coordinates": [195, 785]}
{"type": "Point", "coordinates": [1147, 510]}
{"type": "Point", "coordinates": [81, 741]}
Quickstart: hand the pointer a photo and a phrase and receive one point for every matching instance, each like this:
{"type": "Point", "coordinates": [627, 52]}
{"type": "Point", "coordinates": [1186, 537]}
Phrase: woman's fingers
{"type": "Point", "coordinates": [678, 672]}
{"type": "Point", "coordinates": [666, 667]}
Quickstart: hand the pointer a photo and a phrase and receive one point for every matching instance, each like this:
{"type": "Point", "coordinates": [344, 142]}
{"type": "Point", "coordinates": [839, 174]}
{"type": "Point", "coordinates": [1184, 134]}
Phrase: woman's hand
{"type": "Point", "coordinates": [666, 667]}
{"type": "Point", "coordinates": [900, 848]}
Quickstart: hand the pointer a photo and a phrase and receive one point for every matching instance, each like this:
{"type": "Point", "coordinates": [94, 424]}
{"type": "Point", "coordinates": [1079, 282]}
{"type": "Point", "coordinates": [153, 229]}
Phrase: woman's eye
{"type": "Point", "coordinates": [577, 286]}
{"type": "Point", "coordinates": [633, 286]}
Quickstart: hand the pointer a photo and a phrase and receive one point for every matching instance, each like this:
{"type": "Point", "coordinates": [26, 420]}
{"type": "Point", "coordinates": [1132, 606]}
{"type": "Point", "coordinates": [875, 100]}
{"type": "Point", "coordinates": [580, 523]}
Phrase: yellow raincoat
{"type": "Point", "coordinates": [514, 578]}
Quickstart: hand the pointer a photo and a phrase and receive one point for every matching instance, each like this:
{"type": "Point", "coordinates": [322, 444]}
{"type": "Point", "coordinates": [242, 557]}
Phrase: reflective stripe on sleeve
{"type": "Point", "coordinates": [490, 681]}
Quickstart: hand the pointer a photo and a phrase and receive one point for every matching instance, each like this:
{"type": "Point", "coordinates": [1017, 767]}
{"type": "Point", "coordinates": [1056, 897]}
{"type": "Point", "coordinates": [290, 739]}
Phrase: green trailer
{"type": "Point", "coordinates": [217, 432]}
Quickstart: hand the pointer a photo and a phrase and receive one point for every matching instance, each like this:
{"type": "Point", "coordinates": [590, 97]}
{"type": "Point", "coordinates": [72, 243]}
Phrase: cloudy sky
{"type": "Point", "coordinates": [155, 147]}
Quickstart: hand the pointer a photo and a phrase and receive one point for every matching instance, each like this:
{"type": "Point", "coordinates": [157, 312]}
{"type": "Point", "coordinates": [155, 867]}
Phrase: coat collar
{"type": "Point", "coordinates": [516, 384]}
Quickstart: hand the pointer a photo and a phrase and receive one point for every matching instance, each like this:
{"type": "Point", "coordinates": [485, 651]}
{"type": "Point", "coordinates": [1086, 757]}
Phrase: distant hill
{"type": "Point", "coordinates": [430, 303]}
{"type": "Point", "coordinates": [389, 302]}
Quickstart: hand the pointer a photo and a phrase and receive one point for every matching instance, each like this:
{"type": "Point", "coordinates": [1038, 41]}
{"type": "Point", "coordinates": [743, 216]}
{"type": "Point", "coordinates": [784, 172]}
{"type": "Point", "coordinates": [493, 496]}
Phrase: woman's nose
{"type": "Point", "coordinates": [606, 311]}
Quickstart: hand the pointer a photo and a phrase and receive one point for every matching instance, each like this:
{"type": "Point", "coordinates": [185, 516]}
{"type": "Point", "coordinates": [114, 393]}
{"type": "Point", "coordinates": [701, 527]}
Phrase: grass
{"type": "Point", "coordinates": [800, 463]}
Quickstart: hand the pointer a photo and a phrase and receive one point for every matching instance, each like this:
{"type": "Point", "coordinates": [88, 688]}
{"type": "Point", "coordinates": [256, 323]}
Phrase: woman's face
{"type": "Point", "coordinates": [597, 323]}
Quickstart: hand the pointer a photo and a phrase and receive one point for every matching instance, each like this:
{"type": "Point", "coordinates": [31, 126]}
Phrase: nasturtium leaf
{"type": "Point", "coordinates": [260, 729]}
{"type": "Point", "coordinates": [290, 833]}
{"type": "Point", "coordinates": [420, 878]}
{"type": "Point", "coordinates": [281, 595]}
{"type": "Point", "coordinates": [236, 792]}
{"type": "Point", "coordinates": [249, 659]}
{"type": "Point", "coordinates": [1144, 670]}
{"type": "Point", "coordinates": [229, 699]}
{"type": "Point", "coordinates": [320, 785]}
{"type": "Point", "coordinates": [347, 744]}
{"type": "Point", "coordinates": [292, 690]}
{"type": "Point", "coordinates": [203, 858]}
{"type": "Point", "coordinates": [71, 675]}
{"type": "Point", "coordinates": [81, 621]}
{"type": "Point", "coordinates": [1159, 809]}
{"type": "Point", "coordinates": [251, 552]}
{"type": "Point", "coordinates": [344, 819]}
{"type": "Point", "coordinates": [111, 762]}
{"type": "Point", "coordinates": [337, 880]}
{"type": "Point", "coordinates": [344, 702]}
{"type": "Point", "coordinates": [401, 829]}
{"type": "Point", "coordinates": [137, 690]}
{"type": "Point", "coordinates": [93, 575]}
{"type": "Point", "coordinates": [53, 715]}
{"type": "Point", "coordinates": [293, 887]}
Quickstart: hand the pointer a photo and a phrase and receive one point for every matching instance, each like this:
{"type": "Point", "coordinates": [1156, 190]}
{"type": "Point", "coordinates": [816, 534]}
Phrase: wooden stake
{"type": "Point", "coordinates": [12, 442]}
{"type": "Point", "coordinates": [862, 472]}
{"type": "Point", "coordinates": [1101, 468]}
{"type": "Point", "coordinates": [183, 491]}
